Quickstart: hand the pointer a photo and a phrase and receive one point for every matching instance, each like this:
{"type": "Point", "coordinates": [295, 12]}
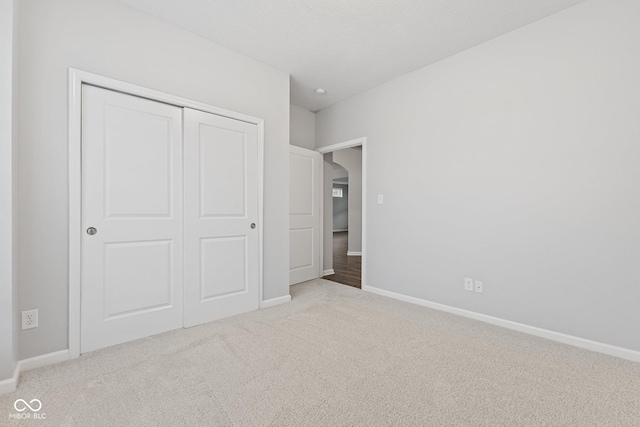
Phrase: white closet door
{"type": "Point", "coordinates": [221, 217]}
{"type": "Point", "coordinates": [132, 198]}
{"type": "Point", "coordinates": [305, 189]}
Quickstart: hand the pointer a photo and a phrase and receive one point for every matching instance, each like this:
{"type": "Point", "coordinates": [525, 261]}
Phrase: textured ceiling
{"type": "Point", "coordinates": [348, 46]}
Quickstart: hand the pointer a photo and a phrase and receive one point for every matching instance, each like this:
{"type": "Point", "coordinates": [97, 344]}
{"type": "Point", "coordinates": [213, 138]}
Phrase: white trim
{"type": "Point", "coordinates": [349, 144]}
{"type": "Point", "coordinates": [596, 346]}
{"type": "Point", "coordinates": [353, 253]}
{"type": "Point", "coordinates": [275, 301]}
{"type": "Point", "coordinates": [10, 385]}
{"type": "Point", "coordinates": [321, 216]}
{"type": "Point", "coordinates": [328, 272]}
{"type": "Point", "coordinates": [75, 213]}
{"type": "Point", "coordinates": [76, 79]}
{"type": "Point", "coordinates": [44, 360]}
{"type": "Point", "coordinates": [341, 230]}
{"type": "Point", "coordinates": [342, 145]}
{"type": "Point", "coordinates": [260, 208]}
{"type": "Point", "coordinates": [364, 212]}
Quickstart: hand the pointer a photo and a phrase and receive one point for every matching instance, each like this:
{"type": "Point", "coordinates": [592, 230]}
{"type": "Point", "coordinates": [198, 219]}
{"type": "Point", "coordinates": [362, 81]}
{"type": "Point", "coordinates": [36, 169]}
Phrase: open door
{"type": "Point", "coordinates": [305, 192]}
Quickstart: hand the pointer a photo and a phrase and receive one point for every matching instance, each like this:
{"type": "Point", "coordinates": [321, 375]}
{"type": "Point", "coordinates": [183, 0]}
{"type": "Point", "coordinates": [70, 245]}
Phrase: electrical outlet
{"type": "Point", "coordinates": [468, 284]}
{"type": "Point", "coordinates": [29, 319]}
{"type": "Point", "coordinates": [478, 286]}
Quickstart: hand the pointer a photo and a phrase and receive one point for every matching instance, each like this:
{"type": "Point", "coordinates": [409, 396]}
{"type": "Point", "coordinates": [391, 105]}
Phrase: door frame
{"type": "Point", "coordinates": [76, 79]}
{"type": "Point", "coordinates": [340, 146]}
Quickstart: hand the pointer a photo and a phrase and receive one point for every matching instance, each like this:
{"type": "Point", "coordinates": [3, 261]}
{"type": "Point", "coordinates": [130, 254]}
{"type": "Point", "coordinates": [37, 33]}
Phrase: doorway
{"type": "Point", "coordinates": [344, 215]}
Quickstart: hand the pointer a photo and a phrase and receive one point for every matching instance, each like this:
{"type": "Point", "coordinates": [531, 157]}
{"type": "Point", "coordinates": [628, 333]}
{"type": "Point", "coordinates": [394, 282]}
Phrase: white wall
{"type": "Point", "coordinates": [8, 291]}
{"type": "Point", "coordinates": [302, 127]}
{"type": "Point", "coordinates": [351, 160]}
{"type": "Point", "coordinates": [517, 163]}
{"type": "Point", "coordinates": [340, 173]}
{"type": "Point", "coordinates": [114, 40]}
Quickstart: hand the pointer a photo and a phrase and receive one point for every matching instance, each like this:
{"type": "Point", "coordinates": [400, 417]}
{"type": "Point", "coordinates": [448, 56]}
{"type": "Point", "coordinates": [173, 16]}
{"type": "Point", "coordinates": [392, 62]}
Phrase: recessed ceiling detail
{"type": "Point", "coordinates": [348, 46]}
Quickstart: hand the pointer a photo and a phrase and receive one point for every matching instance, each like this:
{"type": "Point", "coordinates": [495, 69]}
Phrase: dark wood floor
{"type": "Point", "coordinates": [347, 268]}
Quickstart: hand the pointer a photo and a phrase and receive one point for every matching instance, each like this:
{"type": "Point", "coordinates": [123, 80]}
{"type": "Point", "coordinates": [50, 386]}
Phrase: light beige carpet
{"type": "Point", "coordinates": [336, 356]}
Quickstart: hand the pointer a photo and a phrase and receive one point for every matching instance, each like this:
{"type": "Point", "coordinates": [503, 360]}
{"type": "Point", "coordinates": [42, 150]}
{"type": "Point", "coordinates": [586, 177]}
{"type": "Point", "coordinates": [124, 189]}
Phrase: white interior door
{"type": "Point", "coordinates": [132, 198]}
{"type": "Point", "coordinates": [305, 191]}
{"type": "Point", "coordinates": [221, 217]}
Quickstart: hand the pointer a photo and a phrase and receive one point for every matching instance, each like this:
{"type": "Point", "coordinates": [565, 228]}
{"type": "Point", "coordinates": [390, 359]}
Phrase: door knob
{"type": "Point", "coordinates": [253, 225]}
{"type": "Point", "coordinates": [91, 231]}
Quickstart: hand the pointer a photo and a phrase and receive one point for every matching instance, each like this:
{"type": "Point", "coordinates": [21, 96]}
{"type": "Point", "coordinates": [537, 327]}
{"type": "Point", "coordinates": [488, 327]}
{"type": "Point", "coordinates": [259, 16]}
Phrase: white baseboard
{"type": "Point", "coordinates": [44, 360]}
{"type": "Point", "coordinates": [611, 350]}
{"type": "Point", "coordinates": [350, 253]}
{"type": "Point", "coordinates": [10, 385]}
{"type": "Point", "coordinates": [328, 272]}
{"type": "Point", "coordinates": [341, 230]}
{"type": "Point", "coordinates": [275, 301]}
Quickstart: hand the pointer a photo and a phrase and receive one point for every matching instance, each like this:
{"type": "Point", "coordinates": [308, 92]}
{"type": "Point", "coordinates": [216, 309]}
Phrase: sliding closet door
{"type": "Point", "coordinates": [221, 217]}
{"type": "Point", "coordinates": [132, 271]}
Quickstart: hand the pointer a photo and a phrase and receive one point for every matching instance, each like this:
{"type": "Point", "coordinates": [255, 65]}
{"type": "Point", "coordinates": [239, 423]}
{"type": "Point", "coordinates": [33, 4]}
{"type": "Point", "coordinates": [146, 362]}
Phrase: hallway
{"type": "Point", "coordinates": [347, 268]}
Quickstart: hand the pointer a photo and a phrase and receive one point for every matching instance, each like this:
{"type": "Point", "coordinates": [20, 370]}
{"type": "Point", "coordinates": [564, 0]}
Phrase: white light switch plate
{"type": "Point", "coordinates": [380, 199]}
